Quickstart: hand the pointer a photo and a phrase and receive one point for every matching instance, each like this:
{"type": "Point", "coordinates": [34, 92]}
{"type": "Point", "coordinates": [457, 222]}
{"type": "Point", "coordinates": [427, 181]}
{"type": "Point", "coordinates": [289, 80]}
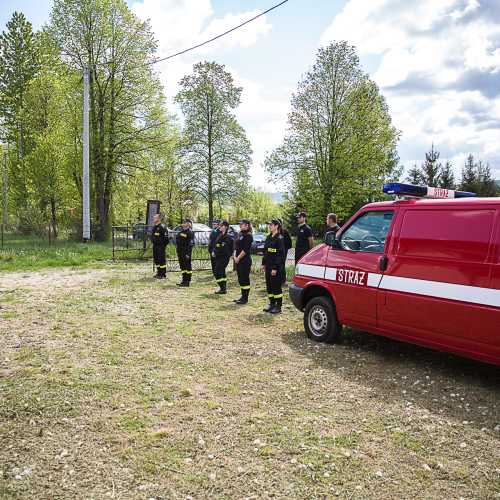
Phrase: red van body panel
{"type": "Point", "coordinates": [441, 283]}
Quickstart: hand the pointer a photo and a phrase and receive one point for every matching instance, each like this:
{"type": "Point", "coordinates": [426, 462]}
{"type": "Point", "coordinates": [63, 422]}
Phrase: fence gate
{"type": "Point", "coordinates": [134, 242]}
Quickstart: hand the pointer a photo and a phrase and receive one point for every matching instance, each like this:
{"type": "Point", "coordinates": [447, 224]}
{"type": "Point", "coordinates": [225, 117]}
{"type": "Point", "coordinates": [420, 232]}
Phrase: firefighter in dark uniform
{"type": "Point", "coordinates": [223, 248]}
{"type": "Point", "coordinates": [185, 243]}
{"type": "Point", "coordinates": [242, 258]}
{"type": "Point", "coordinates": [272, 263]}
{"type": "Point", "coordinates": [288, 244]}
{"type": "Point", "coordinates": [159, 238]}
{"type": "Point", "coordinates": [213, 236]}
{"type": "Point", "coordinates": [305, 239]}
{"type": "Point", "coordinates": [331, 222]}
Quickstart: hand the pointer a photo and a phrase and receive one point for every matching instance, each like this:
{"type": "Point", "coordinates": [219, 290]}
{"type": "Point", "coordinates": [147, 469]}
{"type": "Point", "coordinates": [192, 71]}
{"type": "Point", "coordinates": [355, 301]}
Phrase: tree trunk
{"type": "Point", "coordinates": [22, 164]}
{"type": "Point", "coordinates": [54, 218]}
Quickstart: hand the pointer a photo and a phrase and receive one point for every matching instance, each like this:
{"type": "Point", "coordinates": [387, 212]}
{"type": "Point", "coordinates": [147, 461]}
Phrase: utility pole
{"type": "Point", "coordinates": [86, 197]}
{"type": "Point", "coordinates": [5, 187]}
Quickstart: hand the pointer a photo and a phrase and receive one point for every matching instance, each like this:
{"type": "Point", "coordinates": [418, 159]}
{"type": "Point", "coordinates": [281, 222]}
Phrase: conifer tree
{"type": "Point", "coordinates": [18, 65]}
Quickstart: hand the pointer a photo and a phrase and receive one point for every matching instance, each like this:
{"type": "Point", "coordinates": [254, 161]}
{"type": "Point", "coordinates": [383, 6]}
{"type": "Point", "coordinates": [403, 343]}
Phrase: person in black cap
{"type": "Point", "coordinates": [288, 244]}
{"type": "Point", "coordinates": [305, 239]}
{"type": "Point", "coordinates": [159, 238]}
{"type": "Point", "coordinates": [223, 248]}
{"type": "Point", "coordinates": [272, 263]}
{"type": "Point", "coordinates": [213, 236]}
{"type": "Point", "coordinates": [185, 243]}
{"type": "Point", "coordinates": [242, 258]}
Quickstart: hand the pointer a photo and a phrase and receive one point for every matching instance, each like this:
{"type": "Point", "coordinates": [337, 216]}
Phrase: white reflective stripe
{"type": "Point", "coordinates": [373, 280]}
{"type": "Point", "coordinates": [331, 274]}
{"type": "Point", "coordinates": [312, 271]}
{"type": "Point", "coordinates": [451, 291]}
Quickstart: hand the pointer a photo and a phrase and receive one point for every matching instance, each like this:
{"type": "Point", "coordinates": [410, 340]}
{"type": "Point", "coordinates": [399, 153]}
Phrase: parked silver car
{"type": "Point", "coordinates": [201, 234]}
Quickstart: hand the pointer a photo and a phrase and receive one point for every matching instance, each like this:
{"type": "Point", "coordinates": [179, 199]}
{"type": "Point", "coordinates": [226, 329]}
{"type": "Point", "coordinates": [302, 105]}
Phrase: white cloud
{"type": "Point", "coordinates": [439, 70]}
{"type": "Point", "coordinates": [180, 25]}
{"type": "Point", "coordinates": [264, 122]}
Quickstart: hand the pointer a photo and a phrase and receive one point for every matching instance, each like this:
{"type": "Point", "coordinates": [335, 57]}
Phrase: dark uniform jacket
{"type": "Point", "coordinates": [244, 243]}
{"type": "Point", "coordinates": [185, 241]}
{"type": "Point", "coordinates": [274, 251]}
{"type": "Point", "coordinates": [287, 239]}
{"type": "Point", "coordinates": [303, 234]}
{"type": "Point", "coordinates": [213, 236]}
{"type": "Point", "coordinates": [224, 246]}
{"type": "Point", "coordinates": [334, 229]}
{"type": "Point", "coordinates": [159, 234]}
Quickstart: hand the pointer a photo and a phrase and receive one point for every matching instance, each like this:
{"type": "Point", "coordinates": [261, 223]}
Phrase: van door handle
{"type": "Point", "coordinates": [383, 264]}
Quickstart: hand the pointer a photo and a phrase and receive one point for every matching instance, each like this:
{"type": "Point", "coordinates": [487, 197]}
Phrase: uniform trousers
{"type": "Point", "coordinates": [213, 261]}
{"type": "Point", "coordinates": [300, 252]}
{"type": "Point", "coordinates": [273, 285]}
{"type": "Point", "coordinates": [185, 265]}
{"type": "Point", "coordinates": [159, 258]}
{"type": "Point", "coordinates": [243, 269]}
{"type": "Point", "coordinates": [220, 268]}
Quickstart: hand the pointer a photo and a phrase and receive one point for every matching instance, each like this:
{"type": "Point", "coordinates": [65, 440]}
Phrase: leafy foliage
{"type": "Point", "coordinates": [19, 63]}
{"type": "Point", "coordinates": [126, 98]}
{"type": "Point", "coordinates": [340, 145]}
{"type": "Point", "coordinates": [215, 151]}
{"type": "Point", "coordinates": [476, 178]}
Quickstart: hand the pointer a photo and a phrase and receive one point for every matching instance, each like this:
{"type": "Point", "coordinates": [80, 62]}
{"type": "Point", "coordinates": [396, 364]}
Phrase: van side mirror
{"type": "Point", "coordinates": [331, 241]}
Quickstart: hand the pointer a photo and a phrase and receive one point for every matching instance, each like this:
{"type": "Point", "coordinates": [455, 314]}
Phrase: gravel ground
{"type": "Point", "coordinates": [116, 385]}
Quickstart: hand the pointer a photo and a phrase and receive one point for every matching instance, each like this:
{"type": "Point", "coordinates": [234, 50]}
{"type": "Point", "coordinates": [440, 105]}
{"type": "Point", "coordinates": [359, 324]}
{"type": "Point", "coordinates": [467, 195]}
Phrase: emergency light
{"type": "Point", "coordinates": [399, 189]}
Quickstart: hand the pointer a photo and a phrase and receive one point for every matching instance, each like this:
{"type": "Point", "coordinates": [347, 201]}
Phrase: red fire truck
{"type": "Point", "coordinates": [423, 270]}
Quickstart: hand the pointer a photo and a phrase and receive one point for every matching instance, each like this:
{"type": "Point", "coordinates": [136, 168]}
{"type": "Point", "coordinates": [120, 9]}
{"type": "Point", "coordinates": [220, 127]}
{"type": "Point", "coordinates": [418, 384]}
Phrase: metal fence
{"type": "Point", "coordinates": [133, 242]}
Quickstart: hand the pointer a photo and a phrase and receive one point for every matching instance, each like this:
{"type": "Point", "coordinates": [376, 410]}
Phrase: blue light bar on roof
{"type": "Point", "coordinates": [398, 189]}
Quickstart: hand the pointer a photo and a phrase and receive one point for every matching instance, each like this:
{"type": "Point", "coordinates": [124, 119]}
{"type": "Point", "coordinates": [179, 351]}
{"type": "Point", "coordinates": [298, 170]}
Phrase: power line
{"type": "Point", "coordinates": [219, 36]}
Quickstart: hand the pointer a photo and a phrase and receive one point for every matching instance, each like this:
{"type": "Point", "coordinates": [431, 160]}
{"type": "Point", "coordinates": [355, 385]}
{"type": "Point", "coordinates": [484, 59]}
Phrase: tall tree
{"type": "Point", "coordinates": [124, 92]}
{"type": "Point", "coordinates": [45, 119]}
{"type": "Point", "coordinates": [429, 172]}
{"type": "Point", "coordinates": [340, 144]}
{"type": "Point", "coordinates": [447, 177]}
{"type": "Point", "coordinates": [18, 65]}
{"type": "Point", "coordinates": [216, 153]}
{"type": "Point", "coordinates": [476, 178]}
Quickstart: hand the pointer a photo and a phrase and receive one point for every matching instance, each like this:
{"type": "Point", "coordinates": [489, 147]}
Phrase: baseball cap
{"type": "Point", "coordinates": [244, 221]}
{"type": "Point", "coordinates": [302, 214]}
{"type": "Point", "coordinates": [186, 219]}
{"type": "Point", "coordinates": [276, 222]}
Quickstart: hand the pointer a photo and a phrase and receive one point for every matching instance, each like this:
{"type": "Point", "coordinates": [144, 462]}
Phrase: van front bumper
{"type": "Point", "coordinates": [296, 295]}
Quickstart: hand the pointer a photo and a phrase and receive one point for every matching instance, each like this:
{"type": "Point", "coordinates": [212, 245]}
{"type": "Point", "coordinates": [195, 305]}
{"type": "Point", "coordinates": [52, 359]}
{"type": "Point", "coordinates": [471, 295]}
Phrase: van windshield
{"type": "Point", "coordinates": [368, 232]}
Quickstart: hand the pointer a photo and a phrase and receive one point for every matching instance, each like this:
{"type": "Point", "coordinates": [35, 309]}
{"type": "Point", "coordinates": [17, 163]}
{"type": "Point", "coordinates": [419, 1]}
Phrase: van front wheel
{"type": "Point", "coordinates": [320, 320]}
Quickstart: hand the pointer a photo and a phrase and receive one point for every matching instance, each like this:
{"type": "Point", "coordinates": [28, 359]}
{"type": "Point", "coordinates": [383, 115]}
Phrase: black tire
{"type": "Point", "coordinates": [321, 322]}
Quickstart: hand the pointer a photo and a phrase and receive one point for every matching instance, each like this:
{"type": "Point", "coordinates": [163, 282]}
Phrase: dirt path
{"type": "Point", "coordinates": [116, 385]}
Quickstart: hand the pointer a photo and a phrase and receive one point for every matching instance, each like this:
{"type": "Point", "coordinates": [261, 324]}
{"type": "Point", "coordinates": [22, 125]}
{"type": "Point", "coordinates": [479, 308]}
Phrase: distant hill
{"type": "Point", "coordinates": [277, 197]}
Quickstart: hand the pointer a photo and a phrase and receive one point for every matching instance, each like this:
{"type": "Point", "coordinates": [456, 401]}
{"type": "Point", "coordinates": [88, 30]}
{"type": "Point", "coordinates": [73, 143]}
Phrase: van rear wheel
{"type": "Point", "coordinates": [320, 320]}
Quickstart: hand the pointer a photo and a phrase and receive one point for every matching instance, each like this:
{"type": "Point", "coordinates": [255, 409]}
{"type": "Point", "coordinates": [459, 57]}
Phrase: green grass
{"type": "Point", "coordinates": [25, 253]}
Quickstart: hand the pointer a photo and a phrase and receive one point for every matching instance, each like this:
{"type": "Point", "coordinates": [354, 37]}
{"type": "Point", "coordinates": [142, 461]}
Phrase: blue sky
{"type": "Point", "coordinates": [437, 62]}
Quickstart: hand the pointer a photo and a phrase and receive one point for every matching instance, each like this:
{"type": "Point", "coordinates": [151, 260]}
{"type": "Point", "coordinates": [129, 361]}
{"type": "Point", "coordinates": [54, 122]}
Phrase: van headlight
{"type": "Point", "coordinates": [297, 269]}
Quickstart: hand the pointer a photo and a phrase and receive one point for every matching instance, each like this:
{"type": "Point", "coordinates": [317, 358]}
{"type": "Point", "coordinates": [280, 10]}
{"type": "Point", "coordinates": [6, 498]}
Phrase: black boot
{"type": "Point", "coordinates": [183, 282]}
{"type": "Point", "coordinates": [186, 281]}
{"type": "Point", "coordinates": [276, 309]}
{"type": "Point", "coordinates": [222, 285]}
{"type": "Point", "coordinates": [270, 308]}
{"type": "Point", "coordinates": [244, 297]}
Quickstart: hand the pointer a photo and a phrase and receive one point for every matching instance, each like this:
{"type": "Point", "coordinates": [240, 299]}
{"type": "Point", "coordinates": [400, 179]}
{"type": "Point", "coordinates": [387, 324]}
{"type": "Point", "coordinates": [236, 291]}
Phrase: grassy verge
{"type": "Point", "coordinates": [27, 253]}
{"type": "Point", "coordinates": [115, 385]}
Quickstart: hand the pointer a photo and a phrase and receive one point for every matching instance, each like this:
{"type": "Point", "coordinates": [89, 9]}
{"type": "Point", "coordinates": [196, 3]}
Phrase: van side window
{"type": "Point", "coordinates": [447, 234]}
{"type": "Point", "coordinates": [368, 232]}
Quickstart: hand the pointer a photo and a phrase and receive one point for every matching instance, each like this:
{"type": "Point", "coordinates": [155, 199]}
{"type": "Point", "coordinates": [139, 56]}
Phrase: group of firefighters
{"type": "Point", "coordinates": [220, 247]}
